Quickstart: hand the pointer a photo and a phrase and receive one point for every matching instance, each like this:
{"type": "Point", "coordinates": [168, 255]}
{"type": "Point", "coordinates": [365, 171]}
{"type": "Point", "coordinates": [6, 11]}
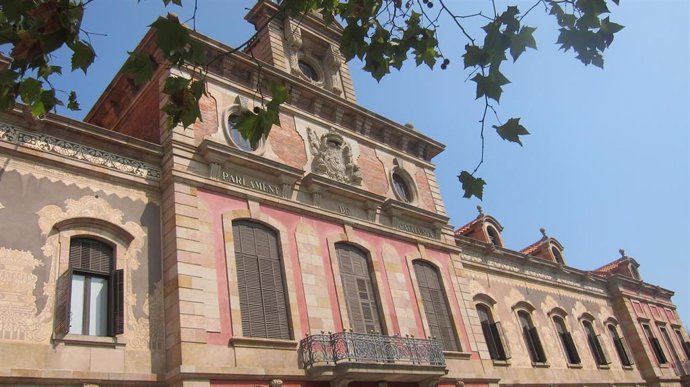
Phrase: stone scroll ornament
{"type": "Point", "coordinates": [332, 157]}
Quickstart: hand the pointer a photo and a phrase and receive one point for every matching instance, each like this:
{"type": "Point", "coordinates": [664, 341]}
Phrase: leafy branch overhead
{"type": "Point", "coordinates": [383, 34]}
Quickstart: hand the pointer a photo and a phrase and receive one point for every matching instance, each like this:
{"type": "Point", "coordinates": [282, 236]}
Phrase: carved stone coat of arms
{"type": "Point", "coordinates": [332, 157]}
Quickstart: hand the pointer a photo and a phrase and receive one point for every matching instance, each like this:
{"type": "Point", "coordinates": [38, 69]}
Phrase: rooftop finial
{"type": "Point", "coordinates": [543, 232]}
{"type": "Point", "coordinates": [622, 253]}
{"type": "Point", "coordinates": [481, 210]}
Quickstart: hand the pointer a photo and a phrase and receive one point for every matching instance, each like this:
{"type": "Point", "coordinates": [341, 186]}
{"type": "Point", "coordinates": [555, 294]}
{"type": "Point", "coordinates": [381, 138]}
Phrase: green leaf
{"type": "Point", "coordinates": [490, 85]}
{"type": "Point", "coordinates": [140, 66]}
{"type": "Point", "coordinates": [512, 130]}
{"type": "Point", "coordinates": [519, 42]}
{"type": "Point", "coordinates": [609, 26]}
{"type": "Point", "coordinates": [472, 186]}
{"type": "Point", "coordinates": [30, 90]}
{"type": "Point", "coordinates": [175, 84]}
{"type": "Point", "coordinates": [83, 55]}
{"type": "Point", "coordinates": [38, 109]}
{"type": "Point", "coordinates": [72, 103]}
{"type": "Point", "coordinates": [475, 56]}
{"type": "Point", "coordinates": [171, 36]}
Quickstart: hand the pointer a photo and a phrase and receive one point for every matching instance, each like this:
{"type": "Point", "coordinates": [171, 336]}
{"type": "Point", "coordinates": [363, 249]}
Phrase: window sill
{"type": "Point", "coordinates": [574, 365]}
{"type": "Point", "coordinates": [456, 355]}
{"type": "Point", "coordinates": [628, 367]}
{"type": "Point", "coordinates": [541, 365]}
{"type": "Point", "coordinates": [256, 342]}
{"type": "Point", "coordinates": [603, 366]}
{"type": "Point", "coordinates": [501, 363]}
{"type": "Point", "coordinates": [96, 341]}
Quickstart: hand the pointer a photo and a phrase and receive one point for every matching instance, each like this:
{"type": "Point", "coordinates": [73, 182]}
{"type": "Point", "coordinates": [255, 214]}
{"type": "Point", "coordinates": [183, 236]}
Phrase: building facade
{"type": "Point", "coordinates": [321, 256]}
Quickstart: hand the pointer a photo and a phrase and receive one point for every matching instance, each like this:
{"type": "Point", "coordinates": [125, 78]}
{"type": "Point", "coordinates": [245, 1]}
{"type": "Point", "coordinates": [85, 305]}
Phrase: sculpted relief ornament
{"type": "Point", "coordinates": [332, 157]}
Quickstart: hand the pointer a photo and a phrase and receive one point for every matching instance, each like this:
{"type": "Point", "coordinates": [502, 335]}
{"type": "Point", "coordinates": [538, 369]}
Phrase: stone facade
{"type": "Point", "coordinates": [168, 204]}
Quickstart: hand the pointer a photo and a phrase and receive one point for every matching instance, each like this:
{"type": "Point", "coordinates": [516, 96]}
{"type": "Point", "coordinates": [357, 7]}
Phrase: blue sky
{"type": "Point", "coordinates": [606, 165]}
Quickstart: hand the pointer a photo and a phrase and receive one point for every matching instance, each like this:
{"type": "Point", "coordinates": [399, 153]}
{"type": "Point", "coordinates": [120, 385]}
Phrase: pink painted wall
{"type": "Point", "coordinates": [219, 204]}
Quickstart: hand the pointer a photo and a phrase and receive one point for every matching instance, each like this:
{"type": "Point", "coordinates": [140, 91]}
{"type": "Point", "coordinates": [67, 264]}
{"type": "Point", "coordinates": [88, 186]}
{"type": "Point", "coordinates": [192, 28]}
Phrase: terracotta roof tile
{"type": "Point", "coordinates": [609, 269]}
{"type": "Point", "coordinates": [464, 229]}
{"type": "Point", "coordinates": [533, 247]}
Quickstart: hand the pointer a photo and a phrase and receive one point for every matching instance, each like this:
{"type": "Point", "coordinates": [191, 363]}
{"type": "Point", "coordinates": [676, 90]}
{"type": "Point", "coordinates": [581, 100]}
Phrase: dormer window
{"type": "Point", "coordinates": [557, 255]}
{"type": "Point", "coordinates": [308, 70]}
{"type": "Point", "coordinates": [493, 236]}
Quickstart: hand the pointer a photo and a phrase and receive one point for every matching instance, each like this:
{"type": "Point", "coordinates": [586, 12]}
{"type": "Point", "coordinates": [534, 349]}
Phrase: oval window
{"type": "Point", "coordinates": [308, 71]}
{"type": "Point", "coordinates": [237, 136]}
{"type": "Point", "coordinates": [401, 188]}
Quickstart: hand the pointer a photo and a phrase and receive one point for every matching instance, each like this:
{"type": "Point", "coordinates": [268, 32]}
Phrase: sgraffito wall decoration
{"type": "Point", "coordinates": [17, 301]}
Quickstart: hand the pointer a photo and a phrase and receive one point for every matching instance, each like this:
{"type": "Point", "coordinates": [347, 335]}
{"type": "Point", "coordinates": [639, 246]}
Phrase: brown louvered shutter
{"type": "Point", "coordinates": [62, 306]}
{"type": "Point", "coordinates": [501, 343]}
{"type": "Point", "coordinates": [90, 255]}
{"type": "Point", "coordinates": [360, 296]}
{"type": "Point", "coordinates": [538, 348]}
{"type": "Point", "coordinates": [263, 300]}
{"type": "Point", "coordinates": [118, 302]}
{"type": "Point", "coordinates": [435, 305]}
{"type": "Point", "coordinates": [571, 350]}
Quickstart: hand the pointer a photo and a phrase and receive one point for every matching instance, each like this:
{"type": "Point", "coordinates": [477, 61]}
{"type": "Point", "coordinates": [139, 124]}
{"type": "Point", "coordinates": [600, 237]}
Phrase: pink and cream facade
{"type": "Point", "coordinates": [322, 256]}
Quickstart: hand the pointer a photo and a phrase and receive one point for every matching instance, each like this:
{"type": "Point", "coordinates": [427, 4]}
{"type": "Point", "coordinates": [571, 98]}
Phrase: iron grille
{"type": "Point", "coordinates": [351, 347]}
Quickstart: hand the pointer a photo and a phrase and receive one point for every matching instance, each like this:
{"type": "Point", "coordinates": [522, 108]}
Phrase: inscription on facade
{"type": "Point", "coordinates": [251, 183]}
{"type": "Point", "coordinates": [416, 230]}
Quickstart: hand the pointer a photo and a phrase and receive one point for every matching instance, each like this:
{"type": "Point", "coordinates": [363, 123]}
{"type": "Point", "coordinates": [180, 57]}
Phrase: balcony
{"type": "Point", "coordinates": [359, 356]}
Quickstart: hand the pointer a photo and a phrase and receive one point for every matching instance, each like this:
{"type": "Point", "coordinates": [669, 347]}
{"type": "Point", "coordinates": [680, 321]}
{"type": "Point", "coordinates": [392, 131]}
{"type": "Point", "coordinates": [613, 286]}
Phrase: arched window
{"type": "Point", "coordinates": [493, 334]}
{"type": "Point", "coordinates": [263, 301]}
{"type": "Point", "coordinates": [598, 351]}
{"type": "Point", "coordinates": [493, 236]}
{"type": "Point", "coordinates": [435, 305]}
{"type": "Point", "coordinates": [557, 255]}
{"type": "Point", "coordinates": [621, 346]}
{"type": "Point", "coordinates": [402, 188]}
{"type": "Point", "coordinates": [360, 294]}
{"type": "Point", "coordinates": [531, 336]}
{"type": "Point", "coordinates": [567, 341]}
{"type": "Point", "coordinates": [237, 136]}
{"type": "Point", "coordinates": [308, 70]}
{"type": "Point", "coordinates": [90, 293]}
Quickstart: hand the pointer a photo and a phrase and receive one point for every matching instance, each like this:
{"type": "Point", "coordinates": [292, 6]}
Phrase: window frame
{"type": "Point", "coordinates": [229, 130]}
{"type": "Point", "coordinates": [444, 294]}
{"type": "Point", "coordinates": [621, 346]}
{"type": "Point", "coordinates": [596, 346]}
{"type": "Point", "coordinates": [531, 338]}
{"type": "Point", "coordinates": [289, 332]}
{"type": "Point", "coordinates": [408, 181]}
{"type": "Point", "coordinates": [572, 354]}
{"type": "Point", "coordinates": [654, 344]}
{"type": "Point", "coordinates": [493, 334]}
{"type": "Point", "coordinates": [494, 236]}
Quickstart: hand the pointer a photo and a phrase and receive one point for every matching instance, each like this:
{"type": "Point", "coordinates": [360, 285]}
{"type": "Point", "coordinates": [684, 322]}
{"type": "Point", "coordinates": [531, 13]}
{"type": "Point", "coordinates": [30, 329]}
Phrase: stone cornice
{"type": "Point", "coordinates": [93, 156]}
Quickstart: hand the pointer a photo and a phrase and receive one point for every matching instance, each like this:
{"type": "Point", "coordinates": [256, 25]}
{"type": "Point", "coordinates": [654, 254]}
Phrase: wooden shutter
{"type": "Point", "coordinates": [602, 348]}
{"type": "Point", "coordinates": [499, 339]}
{"type": "Point", "coordinates": [540, 356]}
{"type": "Point", "coordinates": [118, 302]}
{"type": "Point", "coordinates": [263, 302]}
{"type": "Point", "coordinates": [658, 351]}
{"type": "Point", "coordinates": [90, 255]}
{"type": "Point", "coordinates": [622, 351]}
{"type": "Point", "coordinates": [360, 295]}
{"type": "Point", "coordinates": [435, 305]}
{"type": "Point", "coordinates": [570, 348]}
{"type": "Point", "coordinates": [490, 341]}
{"type": "Point", "coordinates": [686, 349]}
{"type": "Point", "coordinates": [62, 303]}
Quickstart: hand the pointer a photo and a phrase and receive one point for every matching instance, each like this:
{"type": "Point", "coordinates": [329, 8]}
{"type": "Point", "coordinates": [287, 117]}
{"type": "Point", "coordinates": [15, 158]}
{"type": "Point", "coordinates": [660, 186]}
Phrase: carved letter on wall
{"type": "Point", "coordinates": [333, 157]}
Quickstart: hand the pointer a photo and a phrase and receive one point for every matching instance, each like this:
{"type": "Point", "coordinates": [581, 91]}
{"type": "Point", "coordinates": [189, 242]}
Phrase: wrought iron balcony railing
{"type": "Point", "coordinates": [335, 348]}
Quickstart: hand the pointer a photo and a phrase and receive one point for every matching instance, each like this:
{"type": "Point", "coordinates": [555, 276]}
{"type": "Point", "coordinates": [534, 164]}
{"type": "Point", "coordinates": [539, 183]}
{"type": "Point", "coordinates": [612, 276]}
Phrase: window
{"type": "Point", "coordinates": [308, 71]}
{"type": "Point", "coordinates": [263, 302]}
{"type": "Point", "coordinates": [360, 295]}
{"type": "Point", "coordinates": [493, 236]}
{"type": "Point", "coordinates": [685, 344]}
{"type": "Point", "coordinates": [90, 293]}
{"type": "Point", "coordinates": [493, 334]}
{"type": "Point", "coordinates": [557, 255]}
{"type": "Point", "coordinates": [669, 345]}
{"type": "Point", "coordinates": [598, 351]}
{"type": "Point", "coordinates": [435, 305]}
{"type": "Point", "coordinates": [567, 340]}
{"type": "Point", "coordinates": [654, 342]}
{"type": "Point", "coordinates": [401, 188]}
{"type": "Point", "coordinates": [237, 137]}
{"type": "Point", "coordinates": [531, 336]}
{"type": "Point", "coordinates": [621, 347]}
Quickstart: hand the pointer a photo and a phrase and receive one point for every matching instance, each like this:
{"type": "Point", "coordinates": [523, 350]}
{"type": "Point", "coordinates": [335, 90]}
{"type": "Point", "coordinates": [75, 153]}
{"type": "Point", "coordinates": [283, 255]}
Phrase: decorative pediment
{"type": "Point", "coordinates": [332, 157]}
